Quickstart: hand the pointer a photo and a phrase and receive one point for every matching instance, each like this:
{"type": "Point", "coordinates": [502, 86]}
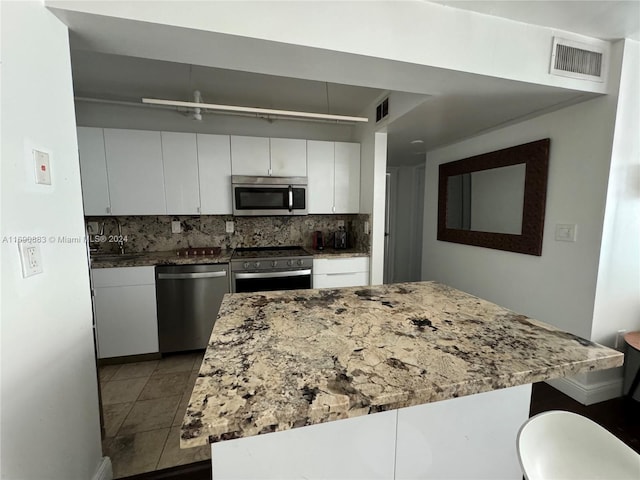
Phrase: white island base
{"type": "Point", "coordinates": [471, 437]}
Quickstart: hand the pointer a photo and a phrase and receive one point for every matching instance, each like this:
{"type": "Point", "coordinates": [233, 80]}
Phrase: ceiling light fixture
{"type": "Point", "coordinates": [416, 142]}
{"type": "Point", "coordinates": [268, 112]}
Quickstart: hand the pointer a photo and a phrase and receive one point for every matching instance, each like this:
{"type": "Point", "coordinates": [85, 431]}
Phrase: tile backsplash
{"type": "Point", "coordinates": [153, 233]}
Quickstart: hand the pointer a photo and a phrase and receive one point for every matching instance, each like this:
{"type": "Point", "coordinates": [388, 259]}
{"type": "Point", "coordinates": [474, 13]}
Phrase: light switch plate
{"type": "Point", "coordinates": [176, 227]}
{"type": "Point", "coordinates": [366, 228]}
{"type": "Point", "coordinates": [566, 232]}
{"type": "Point", "coordinates": [30, 259]}
{"type": "Point", "coordinates": [42, 167]}
{"type": "Point", "coordinates": [229, 227]}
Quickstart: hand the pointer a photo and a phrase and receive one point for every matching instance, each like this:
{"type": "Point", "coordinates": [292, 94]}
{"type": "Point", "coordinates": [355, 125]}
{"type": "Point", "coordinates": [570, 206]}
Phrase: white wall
{"type": "Point", "coordinates": [50, 421]}
{"type": "Point", "coordinates": [475, 43]}
{"type": "Point", "coordinates": [593, 183]}
{"type": "Point", "coordinates": [617, 303]}
{"type": "Point", "coordinates": [559, 286]}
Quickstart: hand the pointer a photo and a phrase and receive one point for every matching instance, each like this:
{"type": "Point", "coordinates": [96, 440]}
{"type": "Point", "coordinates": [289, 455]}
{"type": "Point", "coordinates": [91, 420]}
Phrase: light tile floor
{"type": "Point", "coordinates": [143, 405]}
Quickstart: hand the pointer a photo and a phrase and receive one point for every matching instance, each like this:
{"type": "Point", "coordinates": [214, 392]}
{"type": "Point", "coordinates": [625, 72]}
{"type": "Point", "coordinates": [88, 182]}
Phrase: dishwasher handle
{"type": "Point", "coordinates": [191, 276]}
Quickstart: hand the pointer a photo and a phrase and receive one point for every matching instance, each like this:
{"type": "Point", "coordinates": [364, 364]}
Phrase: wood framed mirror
{"type": "Point", "coordinates": [496, 200]}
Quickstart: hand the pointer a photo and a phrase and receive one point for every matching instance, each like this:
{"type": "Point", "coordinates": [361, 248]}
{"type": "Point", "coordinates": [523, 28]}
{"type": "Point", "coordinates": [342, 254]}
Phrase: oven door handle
{"type": "Point", "coordinates": [292, 273]}
{"type": "Point", "coordinates": [190, 276]}
{"type": "Point", "coordinates": [290, 198]}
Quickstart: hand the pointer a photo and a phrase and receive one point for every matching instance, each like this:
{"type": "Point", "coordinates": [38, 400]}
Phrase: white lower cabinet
{"type": "Point", "coordinates": [340, 272]}
{"type": "Point", "coordinates": [125, 310]}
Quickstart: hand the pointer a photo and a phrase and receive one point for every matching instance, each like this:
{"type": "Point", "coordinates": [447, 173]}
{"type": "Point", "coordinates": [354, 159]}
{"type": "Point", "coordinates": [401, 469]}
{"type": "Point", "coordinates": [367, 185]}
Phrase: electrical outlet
{"type": "Point", "coordinates": [229, 227]}
{"type": "Point", "coordinates": [176, 226]}
{"type": "Point", "coordinates": [366, 228]}
{"type": "Point", "coordinates": [566, 232]}
{"type": "Point", "coordinates": [30, 259]}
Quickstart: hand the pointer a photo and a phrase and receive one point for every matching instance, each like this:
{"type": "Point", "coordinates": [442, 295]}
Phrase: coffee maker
{"type": "Point", "coordinates": [318, 240]}
{"type": "Point", "coordinates": [340, 239]}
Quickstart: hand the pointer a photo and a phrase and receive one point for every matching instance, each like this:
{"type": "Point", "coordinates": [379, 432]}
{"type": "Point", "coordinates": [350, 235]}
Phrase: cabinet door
{"type": "Point", "coordinates": [93, 171]}
{"type": "Point", "coordinates": [288, 157]}
{"type": "Point", "coordinates": [320, 168]}
{"type": "Point", "coordinates": [347, 177]}
{"type": "Point", "coordinates": [249, 155]}
{"type": "Point", "coordinates": [126, 321]}
{"type": "Point", "coordinates": [136, 178]}
{"type": "Point", "coordinates": [214, 163]}
{"type": "Point", "coordinates": [340, 272]}
{"type": "Point", "coordinates": [125, 309]}
{"type": "Point", "coordinates": [180, 165]}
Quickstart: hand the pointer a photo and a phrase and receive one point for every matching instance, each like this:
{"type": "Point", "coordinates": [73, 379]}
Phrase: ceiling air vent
{"type": "Point", "coordinates": [382, 110]}
{"type": "Point", "coordinates": [577, 60]}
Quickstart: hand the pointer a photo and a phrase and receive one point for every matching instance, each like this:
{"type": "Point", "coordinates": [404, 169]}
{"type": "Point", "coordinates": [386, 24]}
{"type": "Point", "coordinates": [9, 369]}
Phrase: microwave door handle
{"type": "Point", "coordinates": [290, 198]}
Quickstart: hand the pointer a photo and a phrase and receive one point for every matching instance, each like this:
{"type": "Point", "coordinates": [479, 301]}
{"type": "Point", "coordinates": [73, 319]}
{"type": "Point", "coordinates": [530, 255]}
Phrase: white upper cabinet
{"type": "Point", "coordinates": [347, 177]}
{"type": "Point", "coordinates": [180, 164]}
{"type": "Point", "coordinates": [334, 177]}
{"type": "Point", "coordinates": [214, 160]}
{"type": "Point", "coordinates": [250, 155]}
{"type": "Point", "coordinates": [134, 166]}
{"type": "Point", "coordinates": [320, 167]}
{"type": "Point", "coordinates": [93, 171]}
{"type": "Point", "coordinates": [277, 157]}
{"type": "Point", "coordinates": [288, 157]}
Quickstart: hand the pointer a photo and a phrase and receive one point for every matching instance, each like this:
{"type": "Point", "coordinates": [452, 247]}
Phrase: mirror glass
{"type": "Point", "coordinates": [488, 200]}
{"type": "Point", "coordinates": [496, 199]}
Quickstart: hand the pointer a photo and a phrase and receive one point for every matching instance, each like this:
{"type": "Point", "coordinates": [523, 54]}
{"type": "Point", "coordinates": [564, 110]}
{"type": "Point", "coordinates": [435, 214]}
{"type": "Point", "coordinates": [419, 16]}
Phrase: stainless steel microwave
{"type": "Point", "coordinates": [269, 195]}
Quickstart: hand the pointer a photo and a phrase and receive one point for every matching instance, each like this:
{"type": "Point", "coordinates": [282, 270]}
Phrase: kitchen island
{"type": "Point", "coordinates": [463, 366]}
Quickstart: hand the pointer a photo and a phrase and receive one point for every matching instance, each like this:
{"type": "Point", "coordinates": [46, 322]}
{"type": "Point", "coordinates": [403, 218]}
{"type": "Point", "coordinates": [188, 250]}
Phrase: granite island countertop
{"type": "Point", "coordinates": [281, 360]}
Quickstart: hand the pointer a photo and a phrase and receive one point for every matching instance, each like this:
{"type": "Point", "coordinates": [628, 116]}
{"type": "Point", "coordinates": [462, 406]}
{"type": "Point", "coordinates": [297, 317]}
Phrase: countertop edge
{"type": "Point", "coordinates": [146, 259]}
{"type": "Point", "coordinates": [450, 392]}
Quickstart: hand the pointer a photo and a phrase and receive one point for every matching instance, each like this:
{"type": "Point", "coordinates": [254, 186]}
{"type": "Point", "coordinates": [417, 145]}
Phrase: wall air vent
{"type": "Point", "coordinates": [577, 60]}
{"type": "Point", "coordinates": [382, 110]}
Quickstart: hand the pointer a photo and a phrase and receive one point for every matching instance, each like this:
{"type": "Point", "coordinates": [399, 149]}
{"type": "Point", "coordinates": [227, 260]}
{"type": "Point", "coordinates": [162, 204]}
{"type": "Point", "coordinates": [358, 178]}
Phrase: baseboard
{"type": "Point", "coordinates": [104, 472]}
{"type": "Point", "coordinates": [588, 394]}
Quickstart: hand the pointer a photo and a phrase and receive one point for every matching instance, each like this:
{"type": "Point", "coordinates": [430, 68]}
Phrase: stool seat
{"type": "Point", "coordinates": [563, 445]}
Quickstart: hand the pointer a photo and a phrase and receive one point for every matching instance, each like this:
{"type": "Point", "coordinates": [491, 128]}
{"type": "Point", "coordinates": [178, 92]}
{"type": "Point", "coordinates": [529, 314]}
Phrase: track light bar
{"type": "Point", "coordinates": [259, 111]}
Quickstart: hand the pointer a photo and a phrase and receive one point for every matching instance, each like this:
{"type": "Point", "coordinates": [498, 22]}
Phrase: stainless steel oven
{"type": "Point", "coordinates": [271, 268]}
{"type": "Point", "coordinates": [269, 195]}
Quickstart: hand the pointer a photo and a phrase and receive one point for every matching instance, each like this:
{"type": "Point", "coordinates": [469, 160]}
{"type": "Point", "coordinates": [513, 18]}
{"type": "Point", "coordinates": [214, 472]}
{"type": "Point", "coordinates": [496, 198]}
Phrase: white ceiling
{"type": "Point", "coordinates": [464, 106]}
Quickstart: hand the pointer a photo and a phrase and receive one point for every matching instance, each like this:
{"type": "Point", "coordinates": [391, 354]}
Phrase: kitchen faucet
{"type": "Point", "coordinates": [120, 238]}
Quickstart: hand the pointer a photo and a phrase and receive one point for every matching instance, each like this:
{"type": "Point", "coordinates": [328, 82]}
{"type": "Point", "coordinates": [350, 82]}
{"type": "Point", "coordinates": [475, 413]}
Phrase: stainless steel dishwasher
{"type": "Point", "coordinates": [188, 299]}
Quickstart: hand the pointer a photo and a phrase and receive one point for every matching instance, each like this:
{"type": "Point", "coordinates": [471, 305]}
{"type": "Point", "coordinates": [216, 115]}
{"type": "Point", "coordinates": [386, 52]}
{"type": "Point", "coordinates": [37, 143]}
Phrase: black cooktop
{"type": "Point", "coordinates": [269, 252]}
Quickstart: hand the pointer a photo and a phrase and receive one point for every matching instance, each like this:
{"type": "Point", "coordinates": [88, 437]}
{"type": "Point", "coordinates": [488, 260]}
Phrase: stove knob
{"type": "Point", "coordinates": [256, 264]}
{"type": "Point", "coordinates": [274, 264]}
{"type": "Point", "coordinates": [245, 265]}
{"type": "Point", "coordinates": [300, 262]}
{"type": "Point", "coordinates": [290, 263]}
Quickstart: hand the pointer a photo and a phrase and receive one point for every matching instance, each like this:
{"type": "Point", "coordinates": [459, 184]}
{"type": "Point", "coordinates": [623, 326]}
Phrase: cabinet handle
{"type": "Point", "coordinates": [191, 276]}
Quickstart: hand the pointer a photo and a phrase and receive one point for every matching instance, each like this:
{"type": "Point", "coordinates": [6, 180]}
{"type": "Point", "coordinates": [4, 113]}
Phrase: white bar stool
{"type": "Point", "coordinates": [560, 445]}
